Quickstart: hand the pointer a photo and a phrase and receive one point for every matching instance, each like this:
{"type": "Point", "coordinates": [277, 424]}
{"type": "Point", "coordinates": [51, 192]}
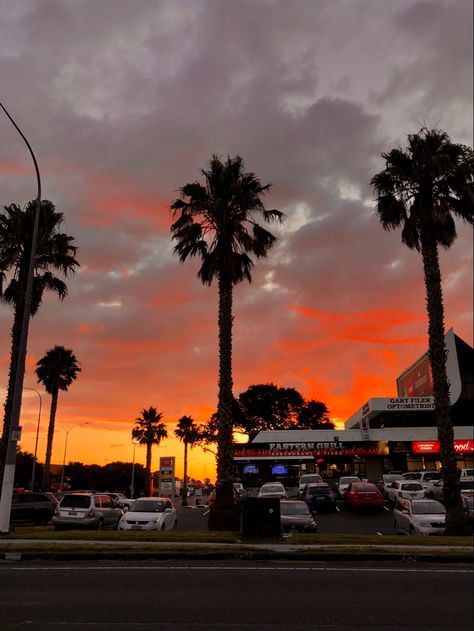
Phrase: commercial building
{"type": "Point", "coordinates": [385, 434]}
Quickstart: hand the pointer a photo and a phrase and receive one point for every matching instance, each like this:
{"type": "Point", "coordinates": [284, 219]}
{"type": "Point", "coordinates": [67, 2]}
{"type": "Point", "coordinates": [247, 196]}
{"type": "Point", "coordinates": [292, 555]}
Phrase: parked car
{"type": "Point", "coordinates": [212, 498]}
{"type": "Point", "coordinates": [363, 495]}
{"type": "Point", "coordinates": [423, 477]}
{"type": "Point", "coordinates": [150, 513]}
{"type": "Point", "coordinates": [344, 482]}
{"type": "Point", "coordinates": [434, 490]}
{"type": "Point", "coordinates": [273, 489]}
{"type": "Point", "coordinates": [32, 508]}
{"type": "Point", "coordinates": [422, 517]}
{"type": "Point", "coordinates": [405, 489]}
{"type": "Point", "coordinates": [296, 516]}
{"type": "Point", "coordinates": [121, 499]}
{"type": "Point", "coordinates": [320, 496]}
{"type": "Point", "coordinates": [86, 510]}
{"type": "Point", "coordinates": [307, 478]}
{"type": "Point", "coordinates": [239, 487]}
{"type": "Point", "coordinates": [386, 480]}
{"type": "Point", "coordinates": [468, 506]}
{"type": "Point", "coordinates": [467, 474]}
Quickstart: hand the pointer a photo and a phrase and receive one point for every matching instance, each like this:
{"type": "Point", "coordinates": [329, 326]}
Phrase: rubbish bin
{"type": "Point", "coordinates": [261, 517]}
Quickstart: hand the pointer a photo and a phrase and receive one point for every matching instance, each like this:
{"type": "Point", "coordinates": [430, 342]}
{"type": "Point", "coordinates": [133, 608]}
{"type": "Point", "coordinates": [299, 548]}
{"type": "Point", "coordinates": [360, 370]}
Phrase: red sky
{"type": "Point", "coordinates": [123, 107]}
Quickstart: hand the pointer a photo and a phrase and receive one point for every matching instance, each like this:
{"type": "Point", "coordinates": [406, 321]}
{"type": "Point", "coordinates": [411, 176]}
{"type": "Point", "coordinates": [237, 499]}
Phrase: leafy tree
{"type": "Point", "coordinates": [188, 433]}
{"type": "Point", "coordinates": [217, 222]}
{"type": "Point", "coordinates": [314, 415]}
{"type": "Point", "coordinates": [55, 253]}
{"type": "Point", "coordinates": [56, 370]}
{"type": "Point", "coordinates": [149, 431]}
{"type": "Point", "coordinates": [269, 407]}
{"type": "Point", "coordinates": [23, 468]}
{"type": "Point", "coordinates": [421, 190]}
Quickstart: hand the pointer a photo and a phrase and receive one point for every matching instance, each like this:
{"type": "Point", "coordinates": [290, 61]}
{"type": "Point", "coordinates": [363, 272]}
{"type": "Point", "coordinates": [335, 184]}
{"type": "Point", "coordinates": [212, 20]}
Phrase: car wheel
{"type": "Point", "coordinates": [175, 525]}
{"type": "Point", "coordinates": [163, 527]}
{"type": "Point", "coordinates": [396, 527]}
{"type": "Point", "coordinates": [412, 531]}
{"type": "Point", "coordinates": [100, 524]}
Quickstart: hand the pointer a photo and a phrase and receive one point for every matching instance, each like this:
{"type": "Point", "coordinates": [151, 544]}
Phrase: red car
{"type": "Point", "coordinates": [363, 495]}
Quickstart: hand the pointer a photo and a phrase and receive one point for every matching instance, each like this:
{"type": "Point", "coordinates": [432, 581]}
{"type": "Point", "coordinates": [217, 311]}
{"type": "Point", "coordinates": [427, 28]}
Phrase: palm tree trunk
{"type": "Point", "coordinates": [49, 444]}
{"type": "Point", "coordinates": [437, 355]}
{"type": "Point", "coordinates": [185, 475]}
{"type": "Point", "coordinates": [223, 517]}
{"type": "Point", "coordinates": [148, 470]}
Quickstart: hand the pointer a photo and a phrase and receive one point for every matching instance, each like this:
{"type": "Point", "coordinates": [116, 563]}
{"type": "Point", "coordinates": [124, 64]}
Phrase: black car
{"type": "Point", "coordinates": [295, 516]}
{"type": "Point", "coordinates": [32, 508]}
{"type": "Point", "coordinates": [320, 496]}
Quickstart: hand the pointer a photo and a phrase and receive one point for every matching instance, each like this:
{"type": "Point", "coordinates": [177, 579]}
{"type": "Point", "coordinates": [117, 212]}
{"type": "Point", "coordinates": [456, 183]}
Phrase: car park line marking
{"type": "Point", "coordinates": [240, 568]}
{"type": "Point", "coordinates": [386, 508]}
{"type": "Point", "coordinates": [338, 509]}
{"type": "Point", "coordinates": [379, 533]}
{"type": "Point", "coordinates": [206, 513]}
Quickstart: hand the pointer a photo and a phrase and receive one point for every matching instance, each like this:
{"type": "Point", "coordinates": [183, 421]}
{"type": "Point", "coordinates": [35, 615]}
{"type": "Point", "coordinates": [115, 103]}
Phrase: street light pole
{"type": "Point", "coordinates": [14, 429]}
{"type": "Point", "coordinates": [65, 448]}
{"type": "Point", "coordinates": [33, 471]}
{"type": "Point", "coordinates": [132, 484]}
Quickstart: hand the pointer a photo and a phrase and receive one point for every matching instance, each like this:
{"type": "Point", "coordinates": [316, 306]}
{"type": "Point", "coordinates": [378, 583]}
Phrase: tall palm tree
{"type": "Point", "coordinates": [56, 370]}
{"type": "Point", "coordinates": [188, 433]}
{"type": "Point", "coordinates": [421, 190]}
{"type": "Point", "coordinates": [149, 431]}
{"type": "Point", "coordinates": [55, 253]}
{"type": "Point", "coordinates": [217, 221]}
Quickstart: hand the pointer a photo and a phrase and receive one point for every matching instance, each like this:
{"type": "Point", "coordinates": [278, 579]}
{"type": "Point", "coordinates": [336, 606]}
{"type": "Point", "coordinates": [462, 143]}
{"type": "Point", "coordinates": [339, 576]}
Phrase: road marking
{"type": "Point", "coordinates": [206, 513]}
{"type": "Point", "coordinates": [386, 508]}
{"type": "Point", "coordinates": [338, 509]}
{"type": "Point", "coordinates": [217, 568]}
{"type": "Point", "coordinates": [379, 533]}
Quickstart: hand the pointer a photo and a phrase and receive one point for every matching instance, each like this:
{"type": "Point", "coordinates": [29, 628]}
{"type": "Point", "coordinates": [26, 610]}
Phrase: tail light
{"type": "Point", "coordinates": [90, 512]}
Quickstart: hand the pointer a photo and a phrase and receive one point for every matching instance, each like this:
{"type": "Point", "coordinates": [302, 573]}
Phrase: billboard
{"type": "Point", "coordinates": [417, 381]}
{"type": "Point", "coordinates": [432, 446]}
{"type": "Point", "coordinates": [166, 476]}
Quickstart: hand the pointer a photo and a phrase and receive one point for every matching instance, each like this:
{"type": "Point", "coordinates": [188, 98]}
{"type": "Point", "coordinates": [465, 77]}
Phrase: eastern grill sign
{"type": "Point", "coordinates": [298, 446]}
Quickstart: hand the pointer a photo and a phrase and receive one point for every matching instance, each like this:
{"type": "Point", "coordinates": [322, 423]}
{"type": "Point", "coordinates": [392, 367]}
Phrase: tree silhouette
{"type": "Point", "coordinates": [149, 431]}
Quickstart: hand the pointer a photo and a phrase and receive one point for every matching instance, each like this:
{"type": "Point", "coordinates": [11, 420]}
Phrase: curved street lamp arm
{"type": "Point", "coordinates": [38, 178]}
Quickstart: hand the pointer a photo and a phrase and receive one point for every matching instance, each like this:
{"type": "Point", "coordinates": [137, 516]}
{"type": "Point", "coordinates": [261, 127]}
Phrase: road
{"type": "Point", "coordinates": [231, 596]}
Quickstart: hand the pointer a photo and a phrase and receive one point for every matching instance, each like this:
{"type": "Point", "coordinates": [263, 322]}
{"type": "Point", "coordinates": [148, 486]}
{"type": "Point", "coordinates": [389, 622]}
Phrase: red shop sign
{"type": "Point", "coordinates": [432, 446]}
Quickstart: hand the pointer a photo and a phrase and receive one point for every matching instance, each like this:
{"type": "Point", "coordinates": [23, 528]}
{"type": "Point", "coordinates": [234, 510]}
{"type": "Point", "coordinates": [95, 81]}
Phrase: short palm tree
{"type": "Point", "coordinates": [149, 431]}
{"type": "Point", "coordinates": [217, 221]}
{"type": "Point", "coordinates": [55, 253]}
{"type": "Point", "coordinates": [188, 433]}
{"type": "Point", "coordinates": [56, 370]}
{"type": "Point", "coordinates": [421, 190]}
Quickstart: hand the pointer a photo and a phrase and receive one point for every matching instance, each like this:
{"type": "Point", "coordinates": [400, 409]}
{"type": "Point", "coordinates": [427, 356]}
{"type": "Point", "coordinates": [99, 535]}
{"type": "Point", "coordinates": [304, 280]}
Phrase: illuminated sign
{"type": "Point", "coordinates": [432, 446]}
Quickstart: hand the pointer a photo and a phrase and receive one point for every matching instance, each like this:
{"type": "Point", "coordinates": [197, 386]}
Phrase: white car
{"type": "Point", "coordinates": [150, 513]}
{"type": "Point", "coordinates": [344, 482]}
{"type": "Point", "coordinates": [404, 489]}
{"type": "Point", "coordinates": [307, 478]}
{"type": "Point", "coordinates": [419, 517]}
{"type": "Point", "coordinates": [273, 489]}
{"type": "Point", "coordinates": [386, 480]}
{"type": "Point", "coordinates": [423, 477]}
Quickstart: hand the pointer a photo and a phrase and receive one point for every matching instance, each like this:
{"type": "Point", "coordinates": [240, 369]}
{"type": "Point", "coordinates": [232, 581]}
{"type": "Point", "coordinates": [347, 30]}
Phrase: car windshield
{"type": "Point", "coordinates": [272, 488]}
{"type": "Point", "coordinates": [391, 478]}
{"type": "Point", "coordinates": [76, 501]}
{"type": "Point", "coordinates": [412, 486]}
{"type": "Point", "coordinates": [318, 490]}
{"type": "Point", "coordinates": [348, 480]}
{"type": "Point", "coordinates": [428, 508]}
{"type": "Point", "coordinates": [148, 506]}
{"type": "Point", "coordinates": [296, 508]}
{"type": "Point", "coordinates": [305, 479]}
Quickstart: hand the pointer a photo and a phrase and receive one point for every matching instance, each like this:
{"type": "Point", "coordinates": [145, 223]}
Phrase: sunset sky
{"type": "Point", "coordinates": [125, 101]}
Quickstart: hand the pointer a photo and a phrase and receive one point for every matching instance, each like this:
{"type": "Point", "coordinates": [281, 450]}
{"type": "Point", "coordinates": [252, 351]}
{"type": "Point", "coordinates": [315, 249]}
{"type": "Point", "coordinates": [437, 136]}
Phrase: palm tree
{"type": "Point", "coordinates": [56, 370]}
{"type": "Point", "coordinates": [217, 222]}
{"type": "Point", "coordinates": [55, 251]}
{"type": "Point", "coordinates": [149, 431]}
{"type": "Point", "coordinates": [188, 433]}
{"type": "Point", "coordinates": [421, 190]}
